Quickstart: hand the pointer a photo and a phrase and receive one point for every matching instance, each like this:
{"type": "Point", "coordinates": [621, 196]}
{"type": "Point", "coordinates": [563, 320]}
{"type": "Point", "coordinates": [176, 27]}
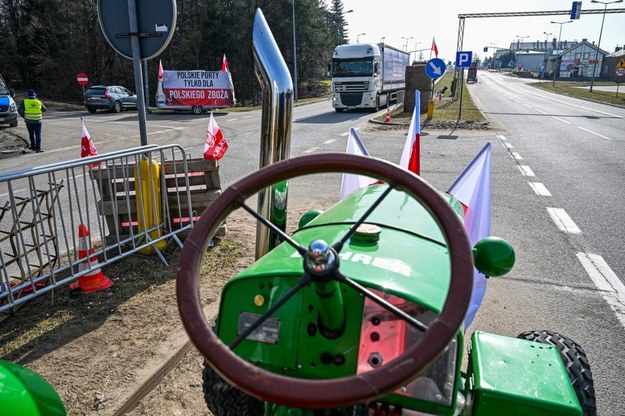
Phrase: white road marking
{"type": "Point", "coordinates": [501, 137]}
{"type": "Point", "coordinates": [559, 119]}
{"type": "Point", "coordinates": [344, 134]}
{"type": "Point", "coordinates": [509, 145]}
{"type": "Point", "coordinates": [539, 189]}
{"type": "Point", "coordinates": [517, 156]}
{"type": "Point", "coordinates": [611, 287]}
{"type": "Point", "coordinates": [540, 111]}
{"type": "Point", "coordinates": [563, 221]}
{"type": "Point", "coordinates": [232, 119]}
{"type": "Point", "coordinates": [312, 149]}
{"type": "Point", "coordinates": [596, 134]}
{"type": "Point", "coordinates": [329, 141]}
{"type": "Point", "coordinates": [526, 170]}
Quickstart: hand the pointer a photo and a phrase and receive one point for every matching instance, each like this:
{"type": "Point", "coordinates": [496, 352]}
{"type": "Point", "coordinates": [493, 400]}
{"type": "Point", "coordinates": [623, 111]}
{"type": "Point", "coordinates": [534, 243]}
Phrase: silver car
{"type": "Point", "coordinates": [114, 98]}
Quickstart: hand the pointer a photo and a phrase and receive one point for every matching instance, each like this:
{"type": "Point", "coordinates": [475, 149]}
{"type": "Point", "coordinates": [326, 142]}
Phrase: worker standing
{"type": "Point", "coordinates": [31, 109]}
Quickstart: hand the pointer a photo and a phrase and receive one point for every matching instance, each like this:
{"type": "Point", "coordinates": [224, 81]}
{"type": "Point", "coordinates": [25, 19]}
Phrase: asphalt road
{"type": "Point", "coordinates": [569, 244]}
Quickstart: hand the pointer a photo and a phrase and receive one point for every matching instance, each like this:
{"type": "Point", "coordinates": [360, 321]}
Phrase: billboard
{"type": "Point", "coordinates": [196, 88]}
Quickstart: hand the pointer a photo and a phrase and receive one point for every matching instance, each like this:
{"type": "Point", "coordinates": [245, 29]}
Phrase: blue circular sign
{"type": "Point", "coordinates": [435, 68]}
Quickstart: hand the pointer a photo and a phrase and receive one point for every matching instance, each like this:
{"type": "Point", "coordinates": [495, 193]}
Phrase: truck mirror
{"type": "Point", "coordinates": [493, 256]}
{"type": "Point", "coordinates": [329, 70]}
{"type": "Point", "coordinates": [375, 69]}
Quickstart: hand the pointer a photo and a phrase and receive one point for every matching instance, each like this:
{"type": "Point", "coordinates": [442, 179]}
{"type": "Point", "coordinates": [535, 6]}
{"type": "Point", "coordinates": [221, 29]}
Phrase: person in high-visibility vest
{"type": "Point", "coordinates": [31, 109]}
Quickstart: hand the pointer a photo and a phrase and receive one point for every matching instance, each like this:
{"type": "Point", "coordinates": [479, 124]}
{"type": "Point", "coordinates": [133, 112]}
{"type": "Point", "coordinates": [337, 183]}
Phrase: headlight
{"type": "Point", "coordinates": [12, 107]}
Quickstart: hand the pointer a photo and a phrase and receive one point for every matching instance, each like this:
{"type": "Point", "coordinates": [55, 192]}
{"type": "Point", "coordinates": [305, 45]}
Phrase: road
{"type": "Point", "coordinates": [557, 197]}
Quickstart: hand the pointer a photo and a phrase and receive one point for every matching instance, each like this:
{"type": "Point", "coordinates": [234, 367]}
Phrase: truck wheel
{"type": "Point", "coordinates": [576, 364]}
{"type": "Point", "coordinates": [222, 399]}
{"type": "Point", "coordinates": [377, 104]}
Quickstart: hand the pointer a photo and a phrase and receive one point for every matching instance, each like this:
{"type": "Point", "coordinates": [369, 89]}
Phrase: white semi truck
{"type": "Point", "coordinates": [367, 75]}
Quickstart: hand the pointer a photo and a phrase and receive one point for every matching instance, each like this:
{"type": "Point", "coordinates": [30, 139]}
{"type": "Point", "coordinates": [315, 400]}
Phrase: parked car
{"type": "Point", "coordinates": [114, 98]}
{"type": "Point", "coordinates": [8, 109]}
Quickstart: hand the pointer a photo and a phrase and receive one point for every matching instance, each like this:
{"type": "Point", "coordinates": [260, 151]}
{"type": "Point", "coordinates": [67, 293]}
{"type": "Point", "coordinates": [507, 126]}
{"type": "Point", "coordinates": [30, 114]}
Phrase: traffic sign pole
{"type": "Point", "coordinates": [136, 63]}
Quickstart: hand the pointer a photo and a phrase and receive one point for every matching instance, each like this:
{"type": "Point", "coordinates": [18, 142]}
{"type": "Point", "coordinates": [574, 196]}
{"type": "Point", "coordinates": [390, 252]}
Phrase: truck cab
{"type": "Point", "coordinates": [366, 75]}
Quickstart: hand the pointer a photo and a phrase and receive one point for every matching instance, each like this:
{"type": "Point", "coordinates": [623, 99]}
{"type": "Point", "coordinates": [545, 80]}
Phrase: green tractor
{"type": "Point", "coordinates": [361, 310]}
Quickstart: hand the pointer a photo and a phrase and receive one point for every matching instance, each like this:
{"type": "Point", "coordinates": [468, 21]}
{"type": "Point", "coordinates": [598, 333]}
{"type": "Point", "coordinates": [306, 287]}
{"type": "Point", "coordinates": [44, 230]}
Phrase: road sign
{"type": "Point", "coordinates": [435, 68]}
{"type": "Point", "coordinates": [621, 63]}
{"type": "Point", "coordinates": [463, 59]}
{"type": "Point", "coordinates": [82, 79]}
{"type": "Point", "coordinates": [156, 21]}
{"type": "Point", "coordinates": [576, 9]}
{"type": "Point", "coordinates": [620, 72]}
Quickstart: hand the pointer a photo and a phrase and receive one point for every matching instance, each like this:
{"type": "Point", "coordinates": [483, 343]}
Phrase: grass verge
{"type": "Point", "coordinates": [582, 90]}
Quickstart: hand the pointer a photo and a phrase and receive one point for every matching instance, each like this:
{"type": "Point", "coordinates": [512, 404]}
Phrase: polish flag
{"type": "Point", "coordinates": [351, 181]}
{"type": "Point", "coordinates": [160, 71]}
{"type": "Point", "coordinates": [215, 145]}
{"type": "Point", "coordinates": [87, 148]}
{"type": "Point", "coordinates": [434, 47]}
{"type": "Point", "coordinates": [224, 64]}
{"type": "Point", "coordinates": [411, 155]}
{"type": "Point", "coordinates": [472, 189]}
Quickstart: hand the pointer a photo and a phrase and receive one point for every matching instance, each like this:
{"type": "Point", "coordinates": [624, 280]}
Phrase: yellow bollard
{"type": "Point", "coordinates": [430, 109]}
{"type": "Point", "coordinates": [148, 201]}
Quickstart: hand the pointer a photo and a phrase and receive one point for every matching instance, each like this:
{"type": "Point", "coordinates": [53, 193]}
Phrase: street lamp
{"type": "Point", "coordinates": [294, 58]}
{"type": "Point", "coordinates": [382, 40]}
{"type": "Point", "coordinates": [555, 59]}
{"type": "Point", "coordinates": [341, 30]}
{"type": "Point", "coordinates": [594, 68]}
{"type": "Point", "coordinates": [358, 37]}
{"type": "Point", "coordinates": [547, 39]}
{"type": "Point", "coordinates": [407, 39]}
{"type": "Point", "coordinates": [520, 39]}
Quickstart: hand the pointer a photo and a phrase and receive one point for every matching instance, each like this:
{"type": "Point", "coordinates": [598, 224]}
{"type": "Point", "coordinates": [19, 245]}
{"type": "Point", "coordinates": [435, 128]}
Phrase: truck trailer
{"type": "Point", "coordinates": [367, 75]}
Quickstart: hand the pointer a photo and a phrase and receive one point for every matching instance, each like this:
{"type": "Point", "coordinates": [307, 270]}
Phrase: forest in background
{"type": "Point", "coordinates": [44, 44]}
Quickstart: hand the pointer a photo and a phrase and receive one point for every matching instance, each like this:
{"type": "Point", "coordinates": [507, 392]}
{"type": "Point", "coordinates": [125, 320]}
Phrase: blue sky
{"type": "Point", "coordinates": [421, 20]}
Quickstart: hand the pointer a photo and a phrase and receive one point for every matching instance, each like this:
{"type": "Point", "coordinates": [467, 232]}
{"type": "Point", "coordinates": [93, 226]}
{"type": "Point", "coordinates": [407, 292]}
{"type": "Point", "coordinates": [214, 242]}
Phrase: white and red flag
{"type": "Point", "coordinates": [411, 155]}
{"type": "Point", "coordinates": [434, 48]}
{"type": "Point", "coordinates": [215, 145]}
{"type": "Point", "coordinates": [472, 189]}
{"type": "Point", "coordinates": [224, 64]}
{"type": "Point", "coordinates": [87, 148]}
{"type": "Point", "coordinates": [351, 181]}
{"type": "Point", "coordinates": [160, 71]}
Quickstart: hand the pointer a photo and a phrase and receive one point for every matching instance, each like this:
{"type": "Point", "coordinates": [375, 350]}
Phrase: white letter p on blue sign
{"type": "Point", "coordinates": [463, 59]}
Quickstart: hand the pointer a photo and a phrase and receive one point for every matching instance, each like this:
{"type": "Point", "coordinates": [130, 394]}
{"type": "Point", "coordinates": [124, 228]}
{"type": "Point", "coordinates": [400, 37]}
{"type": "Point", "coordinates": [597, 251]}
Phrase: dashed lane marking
{"type": "Point", "coordinates": [563, 221]}
{"type": "Point", "coordinates": [526, 170]}
{"type": "Point", "coordinates": [517, 156]}
{"type": "Point", "coordinates": [611, 287]}
{"type": "Point", "coordinates": [539, 189]}
{"type": "Point", "coordinates": [596, 134]}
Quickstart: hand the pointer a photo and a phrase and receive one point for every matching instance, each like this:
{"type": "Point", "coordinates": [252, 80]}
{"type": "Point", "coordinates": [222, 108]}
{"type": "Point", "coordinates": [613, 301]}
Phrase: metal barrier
{"type": "Point", "coordinates": [42, 208]}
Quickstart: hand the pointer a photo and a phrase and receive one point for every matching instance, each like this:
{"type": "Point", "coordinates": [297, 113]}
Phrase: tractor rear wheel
{"type": "Point", "coordinates": [222, 399]}
{"type": "Point", "coordinates": [576, 364]}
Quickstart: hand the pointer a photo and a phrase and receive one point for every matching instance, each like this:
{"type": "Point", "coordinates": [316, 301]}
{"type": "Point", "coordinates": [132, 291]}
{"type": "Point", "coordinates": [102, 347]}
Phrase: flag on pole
{"type": "Point", "coordinates": [472, 189]}
{"type": "Point", "coordinates": [411, 155]}
{"type": "Point", "coordinates": [224, 64]}
{"type": "Point", "coordinates": [215, 145]}
{"type": "Point", "coordinates": [350, 181]}
{"type": "Point", "coordinates": [160, 71]}
{"type": "Point", "coordinates": [87, 148]}
{"type": "Point", "coordinates": [160, 96]}
{"type": "Point", "coordinates": [434, 47]}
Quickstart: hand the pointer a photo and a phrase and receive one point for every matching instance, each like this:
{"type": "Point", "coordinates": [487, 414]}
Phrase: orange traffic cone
{"type": "Point", "coordinates": [94, 280]}
{"type": "Point", "coordinates": [388, 115]}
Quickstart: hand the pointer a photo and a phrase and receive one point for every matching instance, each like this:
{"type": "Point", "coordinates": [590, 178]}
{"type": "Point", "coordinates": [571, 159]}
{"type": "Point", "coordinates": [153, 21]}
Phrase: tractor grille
{"type": "Point", "coordinates": [351, 98]}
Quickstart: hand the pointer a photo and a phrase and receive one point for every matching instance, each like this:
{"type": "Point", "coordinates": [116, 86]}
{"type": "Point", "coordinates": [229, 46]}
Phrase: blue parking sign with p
{"type": "Point", "coordinates": [464, 59]}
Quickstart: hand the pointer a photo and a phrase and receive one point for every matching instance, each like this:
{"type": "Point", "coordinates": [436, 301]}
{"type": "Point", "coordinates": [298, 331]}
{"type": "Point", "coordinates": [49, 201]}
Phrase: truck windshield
{"type": "Point", "coordinates": [352, 67]}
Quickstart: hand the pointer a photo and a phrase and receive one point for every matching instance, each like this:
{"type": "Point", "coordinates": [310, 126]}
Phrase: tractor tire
{"type": "Point", "coordinates": [576, 364]}
{"type": "Point", "coordinates": [222, 399]}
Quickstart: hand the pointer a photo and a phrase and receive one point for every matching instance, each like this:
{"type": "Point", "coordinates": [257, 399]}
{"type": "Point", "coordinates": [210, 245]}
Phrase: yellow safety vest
{"type": "Point", "coordinates": [32, 109]}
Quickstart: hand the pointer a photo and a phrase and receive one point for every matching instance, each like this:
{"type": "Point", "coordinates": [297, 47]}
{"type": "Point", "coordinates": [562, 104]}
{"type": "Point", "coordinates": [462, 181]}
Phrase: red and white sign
{"type": "Point", "coordinates": [620, 72]}
{"type": "Point", "coordinates": [82, 79]}
{"type": "Point", "coordinates": [198, 88]}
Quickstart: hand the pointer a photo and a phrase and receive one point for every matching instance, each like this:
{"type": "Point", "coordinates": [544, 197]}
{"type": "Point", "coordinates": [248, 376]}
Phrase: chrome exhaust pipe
{"type": "Point", "coordinates": [275, 140]}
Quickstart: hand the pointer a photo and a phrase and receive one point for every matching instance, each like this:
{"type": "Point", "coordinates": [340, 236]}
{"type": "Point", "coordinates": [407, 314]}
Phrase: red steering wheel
{"type": "Point", "coordinates": [337, 392]}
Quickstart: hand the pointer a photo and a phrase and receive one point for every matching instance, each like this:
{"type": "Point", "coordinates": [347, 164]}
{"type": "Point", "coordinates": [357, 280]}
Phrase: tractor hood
{"type": "Point", "coordinates": [409, 258]}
